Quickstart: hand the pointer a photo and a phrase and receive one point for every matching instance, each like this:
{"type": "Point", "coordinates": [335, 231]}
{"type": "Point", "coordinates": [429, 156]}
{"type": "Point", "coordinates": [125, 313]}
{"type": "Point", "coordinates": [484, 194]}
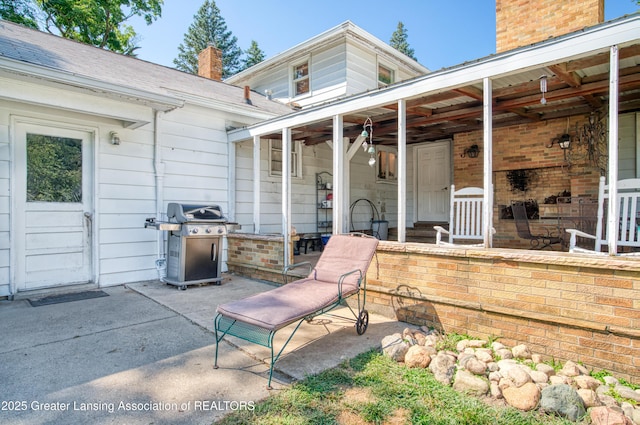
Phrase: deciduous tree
{"type": "Point", "coordinates": [100, 23]}
{"type": "Point", "coordinates": [18, 11]}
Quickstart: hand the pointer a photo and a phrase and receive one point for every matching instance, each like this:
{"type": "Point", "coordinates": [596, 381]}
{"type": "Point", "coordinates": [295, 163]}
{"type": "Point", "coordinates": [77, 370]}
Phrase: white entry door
{"type": "Point", "coordinates": [53, 206]}
{"type": "Point", "coordinates": [433, 175]}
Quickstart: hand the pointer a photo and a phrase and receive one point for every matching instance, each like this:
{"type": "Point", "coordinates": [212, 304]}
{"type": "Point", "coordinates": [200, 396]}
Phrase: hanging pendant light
{"type": "Point", "coordinates": [543, 88]}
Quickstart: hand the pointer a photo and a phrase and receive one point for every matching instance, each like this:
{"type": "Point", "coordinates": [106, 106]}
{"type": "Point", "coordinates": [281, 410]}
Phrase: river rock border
{"type": "Point", "coordinates": [517, 377]}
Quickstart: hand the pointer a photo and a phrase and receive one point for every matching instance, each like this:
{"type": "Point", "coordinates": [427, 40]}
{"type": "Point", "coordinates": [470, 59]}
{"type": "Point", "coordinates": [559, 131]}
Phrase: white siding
{"type": "Point", "coordinates": [304, 202]}
{"type": "Point", "coordinates": [5, 201]}
{"type": "Point", "coordinates": [627, 147]}
{"type": "Point", "coordinates": [362, 69]}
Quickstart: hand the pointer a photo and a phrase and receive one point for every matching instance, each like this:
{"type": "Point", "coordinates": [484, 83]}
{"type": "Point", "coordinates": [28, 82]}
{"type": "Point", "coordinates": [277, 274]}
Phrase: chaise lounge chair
{"type": "Point", "coordinates": [339, 274]}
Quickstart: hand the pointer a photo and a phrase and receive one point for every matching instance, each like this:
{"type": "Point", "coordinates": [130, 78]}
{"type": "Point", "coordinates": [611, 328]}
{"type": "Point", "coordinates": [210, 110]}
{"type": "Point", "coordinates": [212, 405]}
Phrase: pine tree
{"type": "Point", "coordinates": [208, 28]}
{"type": "Point", "coordinates": [399, 41]}
{"type": "Point", "coordinates": [254, 55]}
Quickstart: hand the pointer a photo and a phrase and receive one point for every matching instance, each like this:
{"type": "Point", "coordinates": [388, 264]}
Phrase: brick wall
{"type": "Point", "coordinates": [563, 306]}
{"type": "Point", "coordinates": [524, 147]}
{"type": "Point", "coordinates": [256, 256]}
{"type": "Point", "coordinates": [521, 23]}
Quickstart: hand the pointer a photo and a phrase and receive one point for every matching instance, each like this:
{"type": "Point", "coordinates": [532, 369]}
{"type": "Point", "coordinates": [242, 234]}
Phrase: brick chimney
{"type": "Point", "coordinates": [520, 23]}
{"type": "Point", "coordinates": [210, 63]}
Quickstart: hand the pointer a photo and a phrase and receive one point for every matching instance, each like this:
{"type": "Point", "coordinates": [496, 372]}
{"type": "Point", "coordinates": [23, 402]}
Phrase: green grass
{"type": "Point", "coordinates": [390, 389]}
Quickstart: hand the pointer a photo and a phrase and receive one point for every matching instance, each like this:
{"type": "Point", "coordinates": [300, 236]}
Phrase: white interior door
{"type": "Point", "coordinates": [433, 174]}
{"type": "Point", "coordinates": [53, 206]}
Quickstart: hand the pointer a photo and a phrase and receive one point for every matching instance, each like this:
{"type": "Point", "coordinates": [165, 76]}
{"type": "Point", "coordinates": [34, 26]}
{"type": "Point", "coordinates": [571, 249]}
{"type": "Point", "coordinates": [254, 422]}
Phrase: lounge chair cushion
{"type": "Point", "coordinates": [286, 304]}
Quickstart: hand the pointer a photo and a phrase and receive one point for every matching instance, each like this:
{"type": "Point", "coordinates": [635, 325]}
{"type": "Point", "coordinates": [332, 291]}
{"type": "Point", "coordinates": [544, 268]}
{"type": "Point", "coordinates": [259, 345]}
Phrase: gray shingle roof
{"type": "Point", "coordinates": [73, 58]}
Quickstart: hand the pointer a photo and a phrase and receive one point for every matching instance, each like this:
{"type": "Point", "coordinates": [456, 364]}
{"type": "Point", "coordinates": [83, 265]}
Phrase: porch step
{"type": "Point", "coordinates": [422, 232]}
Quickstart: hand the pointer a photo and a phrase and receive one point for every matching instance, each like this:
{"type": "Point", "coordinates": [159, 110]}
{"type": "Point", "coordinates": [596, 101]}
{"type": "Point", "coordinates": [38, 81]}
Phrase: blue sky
{"type": "Point", "coordinates": [443, 33]}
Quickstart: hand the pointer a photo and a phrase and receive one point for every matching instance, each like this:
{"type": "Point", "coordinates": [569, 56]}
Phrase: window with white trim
{"type": "Point", "coordinates": [386, 75]}
{"type": "Point", "coordinates": [386, 164]}
{"type": "Point", "coordinates": [275, 158]}
{"type": "Point", "coordinates": [300, 74]}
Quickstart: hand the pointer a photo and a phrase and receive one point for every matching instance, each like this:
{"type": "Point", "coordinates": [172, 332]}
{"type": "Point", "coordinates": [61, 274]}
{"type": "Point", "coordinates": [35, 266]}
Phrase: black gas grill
{"type": "Point", "coordinates": [194, 243]}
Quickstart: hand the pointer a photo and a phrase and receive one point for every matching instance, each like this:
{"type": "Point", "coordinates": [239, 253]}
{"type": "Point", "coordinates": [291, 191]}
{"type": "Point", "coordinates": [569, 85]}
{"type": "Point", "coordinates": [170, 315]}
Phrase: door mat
{"type": "Point", "coordinates": [65, 298]}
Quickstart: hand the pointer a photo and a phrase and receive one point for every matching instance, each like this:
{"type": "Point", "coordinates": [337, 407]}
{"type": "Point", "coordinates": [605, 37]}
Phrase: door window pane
{"type": "Point", "coordinates": [54, 169]}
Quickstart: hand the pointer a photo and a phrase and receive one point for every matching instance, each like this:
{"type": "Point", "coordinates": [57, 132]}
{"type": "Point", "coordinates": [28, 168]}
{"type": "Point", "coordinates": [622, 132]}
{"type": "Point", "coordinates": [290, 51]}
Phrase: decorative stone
{"type": "Point", "coordinates": [548, 370]}
{"type": "Point", "coordinates": [395, 347]}
{"type": "Point", "coordinates": [521, 352]}
{"type": "Point", "coordinates": [464, 357]}
{"type": "Point", "coordinates": [610, 380]}
{"type": "Point", "coordinates": [497, 346]}
{"type": "Point", "coordinates": [417, 356]}
{"type": "Point", "coordinates": [518, 376]}
{"type": "Point", "coordinates": [536, 358]}
{"type": "Point", "coordinates": [570, 369]}
{"type": "Point", "coordinates": [468, 383]}
{"type": "Point", "coordinates": [493, 367]}
{"type": "Point", "coordinates": [477, 343]}
{"type": "Point", "coordinates": [603, 415]}
{"type": "Point", "coordinates": [495, 376]}
{"type": "Point", "coordinates": [420, 337]}
{"type": "Point", "coordinates": [504, 353]}
{"type": "Point", "coordinates": [484, 355]}
{"type": "Point", "coordinates": [564, 401]}
{"type": "Point", "coordinates": [461, 345]}
{"type": "Point", "coordinates": [586, 382]}
{"type": "Point", "coordinates": [443, 366]}
{"type": "Point", "coordinates": [539, 377]}
{"type": "Point", "coordinates": [476, 366]}
{"type": "Point", "coordinates": [589, 398]}
{"type": "Point", "coordinates": [626, 392]}
{"type": "Point", "coordinates": [431, 340]}
{"type": "Point", "coordinates": [524, 398]}
{"type": "Point", "coordinates": [495, 391]}
{"type": "Point", "coordinates": [557, 380]}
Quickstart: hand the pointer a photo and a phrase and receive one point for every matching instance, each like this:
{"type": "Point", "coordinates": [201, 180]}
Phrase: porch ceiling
{"type": "Point", "coordinates": [578, 86]}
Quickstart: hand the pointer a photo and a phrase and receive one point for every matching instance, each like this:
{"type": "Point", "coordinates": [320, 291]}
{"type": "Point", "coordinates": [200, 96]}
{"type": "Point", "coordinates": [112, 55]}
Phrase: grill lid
{"type": "Point", "coordinates": [185, 213]}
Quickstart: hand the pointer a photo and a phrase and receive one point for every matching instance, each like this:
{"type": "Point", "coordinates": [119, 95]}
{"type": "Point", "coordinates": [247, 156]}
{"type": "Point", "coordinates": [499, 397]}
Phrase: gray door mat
{"type": "Point", "coordinates": [65, 298]}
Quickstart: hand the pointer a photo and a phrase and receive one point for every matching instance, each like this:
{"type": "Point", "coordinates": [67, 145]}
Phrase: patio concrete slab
{"type": "Point", "coordinates": [144, 354]}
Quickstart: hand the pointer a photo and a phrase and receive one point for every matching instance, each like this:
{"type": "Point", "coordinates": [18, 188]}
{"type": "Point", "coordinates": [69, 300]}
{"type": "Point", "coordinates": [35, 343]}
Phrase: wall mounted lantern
{"type": "Point", "coordinates": [114, 139]}
{"type": "Point", "coordinates": [472, 151]}
{"type": "Point", "coordinates": [563, 141]}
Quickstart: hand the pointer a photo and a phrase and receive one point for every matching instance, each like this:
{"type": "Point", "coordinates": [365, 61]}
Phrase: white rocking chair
{"type": "Point", "coordinates": [465, 219]}
{"type": "Point", "coordinates": [628, 200]}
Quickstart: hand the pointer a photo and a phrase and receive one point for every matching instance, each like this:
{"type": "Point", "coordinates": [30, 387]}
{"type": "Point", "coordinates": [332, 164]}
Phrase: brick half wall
{"type": "Point", "coordinates": [565, 307]}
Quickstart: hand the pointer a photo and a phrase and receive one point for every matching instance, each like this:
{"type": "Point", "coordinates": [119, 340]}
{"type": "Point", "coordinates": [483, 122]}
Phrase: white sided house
{"type": "Point", "coordinates": [91, 144]}
{"type": "Point", "coordinates": [340, 62]}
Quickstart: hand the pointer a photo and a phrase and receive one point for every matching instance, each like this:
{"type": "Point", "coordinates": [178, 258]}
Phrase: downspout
{"type": "Point", "coordinates": [159, 166]}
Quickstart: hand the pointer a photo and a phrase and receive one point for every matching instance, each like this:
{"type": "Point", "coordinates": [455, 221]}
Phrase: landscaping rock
{"type": "Point", "coordinates": [395, 347]}
{"type": "Point", "coordinates": [564, 401]}
{"type": "Point", "coordinates": [589, 397]}
{"type": "Point", "coordinates": [476, 366]}
{"type": "Point", "coordinates": [484, 355]}
{"type": "Point", "coordinates": [548, 370]}
{"type": "Point", "coordinates": [518, 375]}
{"type": "Point", "coordinates": [417, 356]}
{"type": "Point", "coordinates": [495, 390]}
{"type": "Point", "coordinates": [626, 392]}
{"type": "Point", "coordinates": [521, 352]}
{"type": "Point", "coordinates": [420, 337]}
{"type": "Point", "coordinates": [570, 369]}
{"type": "Point", "coordinates": [504, 353]}
{"type": "Point", "coordinates": [468, 383]}
{"type": "Point", "coordinates": [604, 415]}
{"type": "Point", "coordinates": [539, 377]}
{"type": "Point", "coordinates": [586, 382]}
{"type": "Point", "coordinates": [443, 366]}
{"type": "Point", "coordinates": [524, 398]}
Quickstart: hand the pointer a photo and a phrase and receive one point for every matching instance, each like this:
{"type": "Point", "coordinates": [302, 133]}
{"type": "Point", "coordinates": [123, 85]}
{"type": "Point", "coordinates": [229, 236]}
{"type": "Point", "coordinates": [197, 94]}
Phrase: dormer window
{"type": "Point", "coordinates": [301, 78]}
{"type": "Point", "coordinates": [386, 75]}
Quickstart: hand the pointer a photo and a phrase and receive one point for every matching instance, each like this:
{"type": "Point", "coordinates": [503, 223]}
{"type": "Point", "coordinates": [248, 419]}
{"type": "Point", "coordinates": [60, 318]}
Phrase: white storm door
{"type": "Point", "coordinates": [433, 171]}
{"type": "Point", "coordinates": [53, 208]}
